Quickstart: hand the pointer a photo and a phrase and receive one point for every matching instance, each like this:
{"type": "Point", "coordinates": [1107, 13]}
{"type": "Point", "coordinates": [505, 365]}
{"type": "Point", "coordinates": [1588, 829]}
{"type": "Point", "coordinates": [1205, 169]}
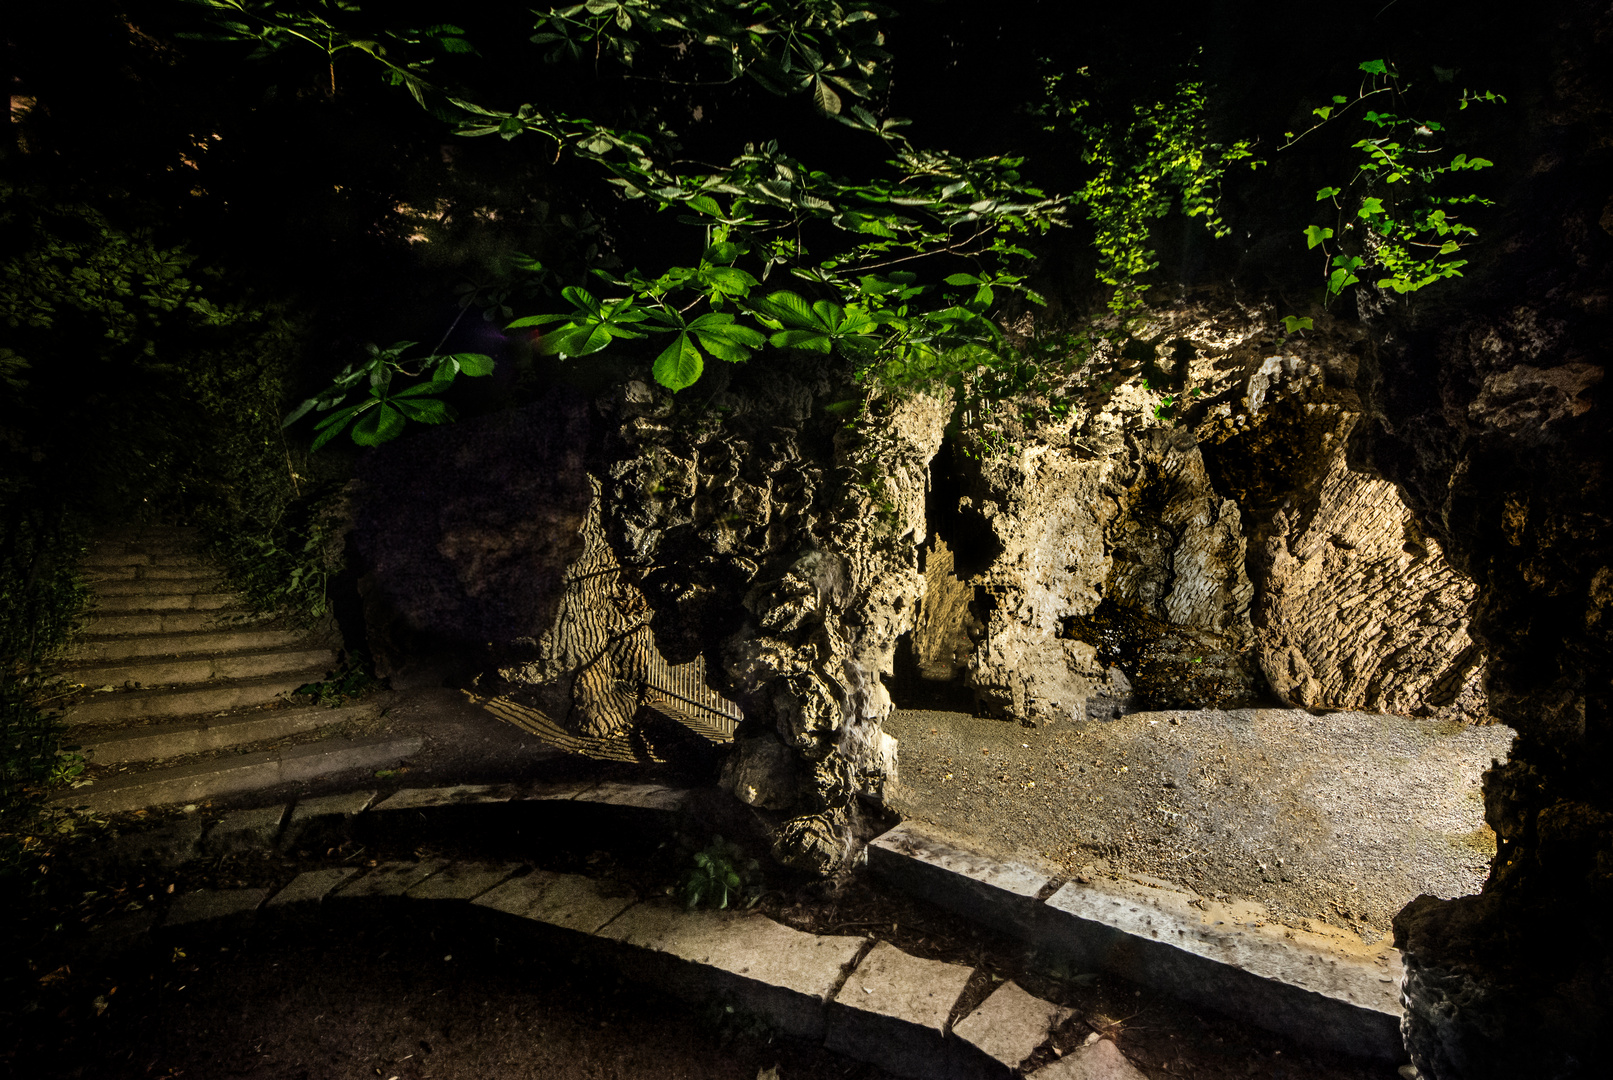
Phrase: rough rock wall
{"type": "Point", "coordinates": [780, 542]}
{"type": "Point", "coordinates": [466, 535]}
{"type": "Point", "coordinates": [1491, 412]}
{"type": "Point", "coordinates": [1123, 557]}
{"type": "Point", "coordinates": [1408, 651]}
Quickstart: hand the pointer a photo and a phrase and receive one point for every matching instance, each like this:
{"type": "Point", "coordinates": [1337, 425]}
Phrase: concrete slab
{"type": "Point", "coordinates": [245, 830]}
{"type": "Point", "coordinates": [164, 846]}
{"type": "Point", "coordinates": [166, 601]}
{"type": "Point", "coordinates": [642, 796]}
{"type": "Point", "coordinates": [323, 817]}
{"type": "Point", "coordinates": [569, 901]}
{"type": "Point", "coordinates": [462, 881]}
{"type": "Point", "coordinates": [339, 755]}
{"type": "Point", "coordinates": [196, 782]}
{"type": "Point", "coordinates": [213, 904]}
{"type": "Point", "coordinates": [1008, 1026]}
{"type": "Point", "coordinates": [1332, 993]}
{"type": "Point", "coordinates": [390, 879]}
{"type": "Point", "coordinates": [240, 772]}
{"type": "Point", "coordinates": [930, 862]}
{"type": "Point", "coordinates": [154, 741]}
{"type": "Point", "coordinates": [458, 795]}
{"type": "Point", "coordinates": [1101, 1060]}
{"type": "Point", "coordinates": [96, 650]}
{"type": "Point", "coordinates": [138, 704]}
{"type": "Point", "coordinates": [311, 886]}
{"type": "Point", "coordinates": [563, 789]}
{"type": "Point", "coordinates": [781, 974]}
{"type": "Point", "coordinates": [892, 1011]}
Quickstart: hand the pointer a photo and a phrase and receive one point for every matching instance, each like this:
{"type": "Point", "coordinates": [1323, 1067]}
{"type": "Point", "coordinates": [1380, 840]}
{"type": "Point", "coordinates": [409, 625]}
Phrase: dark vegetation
{"type": "Point", "coordinates": [196, 237]}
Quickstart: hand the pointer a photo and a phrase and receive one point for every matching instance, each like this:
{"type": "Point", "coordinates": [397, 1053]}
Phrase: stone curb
{"type": "Point", "coordinates": [167, 671]}
{"type": "Point", "coordinates": [136, 704]}
{"type": "Point", "coordinates": [1316, 992]}
{"type": "Point", "coordinates": [172, 622]}
{"type": "Point", "coordinates": [210, 779]}
{"type": "Point", "coordinates": [880, 1005]}
{"type": "Point", "coordinates": [868, 1001]}
{"type": "Point", "coordinates": [158, 741]}
{"type": "Point", "coordinates": [164, 601]}
{"type": "Point", "coordinates": [107, 650]}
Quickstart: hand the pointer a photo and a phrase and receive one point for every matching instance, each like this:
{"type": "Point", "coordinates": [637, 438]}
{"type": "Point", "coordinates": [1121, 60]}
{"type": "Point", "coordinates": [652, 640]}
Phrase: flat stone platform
{"type": "Point", "coordinates": [1337, 819]}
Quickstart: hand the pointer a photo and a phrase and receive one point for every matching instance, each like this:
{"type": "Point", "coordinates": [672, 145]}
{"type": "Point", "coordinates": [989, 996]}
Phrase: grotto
{"type": "Point", "coordinates": [1119, 634]}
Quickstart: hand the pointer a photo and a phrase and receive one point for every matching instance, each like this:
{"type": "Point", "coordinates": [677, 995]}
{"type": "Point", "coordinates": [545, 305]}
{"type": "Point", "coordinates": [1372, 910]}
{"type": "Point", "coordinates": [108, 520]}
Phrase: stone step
{"type": "Point", "coordinates": [233, 694]}
{"type": "Point", "coordinates": [166, 601]}
{"type": "Point", "coordinates": [155, 546]}
{"type": "Point", "coordinates": [1334, 994]}
{"type": "Point", "coordinates": [171, 622]}
{"type": "Point", "coordinates": [178, 671]}
{"type": "Point", "coordinates": [98, 650]}
{"type": "Point", "coordinates": [238, 772]}
{"type": "Point", "coordinates": [96, 575]}
{"type": "Point", "coordinates": [146, 585]}
{"type": "Point", "coordinates": [153, 742]}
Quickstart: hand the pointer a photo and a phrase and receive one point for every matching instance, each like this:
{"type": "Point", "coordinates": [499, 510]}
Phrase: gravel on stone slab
{"type": "Point", "coordinates": [1340, 818]}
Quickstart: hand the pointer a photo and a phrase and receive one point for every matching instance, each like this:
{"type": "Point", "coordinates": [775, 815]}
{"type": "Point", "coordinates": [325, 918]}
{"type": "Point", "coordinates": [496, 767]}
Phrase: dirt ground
{"type": "Point", "coordinates": [407, 997]}
{"type": "Point", "coordinates": [1339, 818]}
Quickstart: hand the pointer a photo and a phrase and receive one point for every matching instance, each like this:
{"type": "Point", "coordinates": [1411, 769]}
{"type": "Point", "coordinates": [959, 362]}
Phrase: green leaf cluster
{"type": "Point", "coordinates": [721, 877]}
{"type": "Point", "coordinates": [1160, 160]}
{"type": "Point", "coordinates": [1394, 219]}
{"type": "Point", "coordinates": [380, 413]}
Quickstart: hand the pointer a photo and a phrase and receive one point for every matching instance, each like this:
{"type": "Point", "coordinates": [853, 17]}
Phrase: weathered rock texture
{"type": "Point", "coordinates": [759, 542]}
{"type": "Point", "coordinates": [1120, 557]}
{"type": "Point", "coordinates": [1362, 548]}
{"type": "Point", "coordinates": [1492, 416]}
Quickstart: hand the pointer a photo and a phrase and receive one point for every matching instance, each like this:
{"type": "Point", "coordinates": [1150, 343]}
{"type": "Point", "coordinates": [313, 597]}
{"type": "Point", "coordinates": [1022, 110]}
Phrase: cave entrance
{"type": "Point", "coordinates": [1327, 818]}
{"type": "Point", "coordinates": [932, 660]}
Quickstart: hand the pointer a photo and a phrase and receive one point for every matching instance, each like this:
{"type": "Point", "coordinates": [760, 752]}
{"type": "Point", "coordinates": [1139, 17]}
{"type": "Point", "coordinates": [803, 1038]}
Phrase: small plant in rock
{"type": "Point", "coordinates": [721, 877]}
{"type": "Point", "coordinates": [349, 682]}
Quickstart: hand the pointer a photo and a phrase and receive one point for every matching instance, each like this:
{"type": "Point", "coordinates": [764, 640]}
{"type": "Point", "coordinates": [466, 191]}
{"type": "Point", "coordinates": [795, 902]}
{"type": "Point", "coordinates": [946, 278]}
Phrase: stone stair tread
{"type": "Point", "coordinates": [183, 670]}
{"type": "Point", "coordinates": [219, 696]}
{"type": "Point", "coordinates": [91, 649]}
{"type": "Point", "coordinates": [233, 773]}
{"type": "Point", "coordinates": [183, 738]}
{"type": "Point", "coordinates": [127, 624]}
{"type": "Point", "coordinates": [150, 586]}
{"type": "Point", "coordinates": [178, 600]}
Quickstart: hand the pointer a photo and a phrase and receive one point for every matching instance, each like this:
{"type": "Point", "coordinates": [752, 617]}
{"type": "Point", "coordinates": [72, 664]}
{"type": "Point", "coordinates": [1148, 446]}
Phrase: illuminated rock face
{"type": "Point", "coordinates": [803, 559]}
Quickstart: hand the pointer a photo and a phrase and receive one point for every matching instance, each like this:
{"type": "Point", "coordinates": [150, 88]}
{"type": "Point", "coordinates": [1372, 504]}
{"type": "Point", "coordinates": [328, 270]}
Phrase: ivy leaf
{"type": "Point", "coordinates": [679, 366]}
{"type": "Point", "coordinates": [1375, 67]}
{"type": "Point", "coordinates": [1295, 323]}
{"type": "Point", "coordinates": [1315, 234]}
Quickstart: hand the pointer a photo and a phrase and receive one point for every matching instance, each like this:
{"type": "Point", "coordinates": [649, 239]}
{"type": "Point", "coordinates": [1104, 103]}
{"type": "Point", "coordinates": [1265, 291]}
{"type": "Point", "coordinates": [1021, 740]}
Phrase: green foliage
{"type": "Point", "coordinates": [721, 876]}
{"type": "Point", "coordinates": [1160, 160]}
{"type": "Point", "coordinates": [381, 412]}
{"type": "Point", "coordinates": [348, 683]}
{"type": "Point", "coordinates": [819, 47]}
{"type": "Point", "coordinates": [41, 595]}
{"type": "Point", "coordinates": [930, 206]}
{"type": "Point", "coordinates": [1393, 219]}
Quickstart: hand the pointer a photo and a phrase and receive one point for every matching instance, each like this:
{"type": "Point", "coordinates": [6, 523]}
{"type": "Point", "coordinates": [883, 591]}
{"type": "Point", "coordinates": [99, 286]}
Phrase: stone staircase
{"type": "Point", "coordinates": [179, 694]}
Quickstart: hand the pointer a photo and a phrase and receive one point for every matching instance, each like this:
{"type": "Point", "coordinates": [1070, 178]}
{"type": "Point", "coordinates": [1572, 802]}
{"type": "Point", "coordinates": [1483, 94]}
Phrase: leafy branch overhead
{"type": "Point", "coordinates": [1392, 217]}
